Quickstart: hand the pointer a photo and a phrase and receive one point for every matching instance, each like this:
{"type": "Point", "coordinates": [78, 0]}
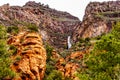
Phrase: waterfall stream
{"type": "Point", "coordinates": [69, 42]}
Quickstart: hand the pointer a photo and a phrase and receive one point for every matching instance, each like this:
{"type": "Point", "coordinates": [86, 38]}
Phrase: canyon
{"type": "Point", "coordinates": [41, 36]}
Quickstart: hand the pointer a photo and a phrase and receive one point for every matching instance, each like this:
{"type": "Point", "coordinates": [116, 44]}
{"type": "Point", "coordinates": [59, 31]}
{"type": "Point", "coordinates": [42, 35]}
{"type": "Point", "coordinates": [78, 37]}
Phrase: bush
{"type": "Point", "coordinates": [51, 73]}
{"type": "Point", "coordinates": [32, 27]}
{"type": "Point", "coordinates": [13, 29]}
{"type": "Point", "coordinates": [82, 44]}
{"type": "Point", "coordinates": [104, 61]}
{"type": "Point", "coordinates": [13, 49]}
{"type": "Point", "coordinates": [3, 33]}
{"type": "Point", "coordinates": [49, 50]}
{"type": "Point", "coordinates": [54, 75]}
{"type": "Point", "coordinates": [5, 61]}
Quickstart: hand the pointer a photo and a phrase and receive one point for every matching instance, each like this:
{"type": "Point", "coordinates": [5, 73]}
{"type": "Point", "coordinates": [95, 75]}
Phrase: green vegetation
{"type": "Point", "coordinates": [63, 19]}
{"type": "Point", "coordinates": [13, 29]}
{"type": "Point", "coordinates": [5, 71]}
{"type": "Point", "coordinates": [25, 26]}
{"type": "Point", "coordinates": [51, 73]}
{"type": "Point", "coordinates": [109, 12]}
{"type": "Point", "coordinates": [18, 58]}
{"type": "Point", "coordinates": [65, 53]}
{"type": "Point", "coordinates": [82, 44]}
{"type": "Point", "coordinates": [109, 15]}
{"type": "Point", "coordinates": [104, 61]}
{"type": "Point", "coordinates": [54, 75]}
{"type": "Point", "coordinates": [29, 26]}
{"type": "Point", "coordinates": [49, 50]}
{"type": "Point", "coordinates": [12, 49]}
{"type": "Point", "coordinates": [32, 27]}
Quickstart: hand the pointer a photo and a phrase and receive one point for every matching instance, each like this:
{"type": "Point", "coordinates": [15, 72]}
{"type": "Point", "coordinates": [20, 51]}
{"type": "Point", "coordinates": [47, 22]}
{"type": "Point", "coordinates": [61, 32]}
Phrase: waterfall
{"type": "Point", "coordinates": [69, 42]}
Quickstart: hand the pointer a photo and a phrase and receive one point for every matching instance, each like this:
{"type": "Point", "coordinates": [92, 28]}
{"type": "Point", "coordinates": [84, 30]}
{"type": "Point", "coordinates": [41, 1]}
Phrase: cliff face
{"type": "Point", "coordinates": [30, 57]}
{"type": "Point", "coordinates": [54, 25]}
{"type": "Point", "coordinates": [98, 19]}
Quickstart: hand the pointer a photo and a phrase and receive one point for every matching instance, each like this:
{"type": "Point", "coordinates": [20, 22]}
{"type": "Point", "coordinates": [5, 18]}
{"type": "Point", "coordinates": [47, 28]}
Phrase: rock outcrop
{"type": "Point", "coordinates": [98, 19]}
{"type": "Point", "coordinates": [70, 65]}
{"type": "Point", "coordinates": [30, 57]}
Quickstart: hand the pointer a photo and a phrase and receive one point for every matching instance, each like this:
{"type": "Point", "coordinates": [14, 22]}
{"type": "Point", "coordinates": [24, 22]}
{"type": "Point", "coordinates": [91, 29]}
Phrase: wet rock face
{"type": "Point", "coordinates": [30, 59]}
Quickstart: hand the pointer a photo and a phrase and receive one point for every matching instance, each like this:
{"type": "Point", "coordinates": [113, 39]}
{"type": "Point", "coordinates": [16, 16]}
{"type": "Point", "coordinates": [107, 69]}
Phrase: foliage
{"type": "Point", "coordinates": [2, 33]}
{"type": "Point", "coordinates": [5, 71]}
{"type": "Point", "coordinates": [54, 75]}
{"type": "Point", "coordinates": [18, 58]}
{"type": "Point", "coordinates": [25, 26]}
{"type": "Point", "coordinates": [109, 15]}
{"type": "Point", "coordinates": [51, 73]}
{"type": "Point", "coordinates": [49, 50]}
{"type": "Point", "coordinates": [104, 61]}
{"type": "Point", "coordinates": [12, 49]}
{"type": "Point", "coordinates": [12, 29]}
{"type": "Point", "coordinates": [82, 44]}
{"type": "Point", "coordinates": [32, 27]}
{"type": "Point", "coordinates": [65, 53]}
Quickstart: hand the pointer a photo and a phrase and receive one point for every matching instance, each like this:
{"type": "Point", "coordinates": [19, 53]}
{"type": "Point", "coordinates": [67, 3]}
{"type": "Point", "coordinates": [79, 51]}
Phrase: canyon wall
{"type": "Point", "coordinates": [98, 19]}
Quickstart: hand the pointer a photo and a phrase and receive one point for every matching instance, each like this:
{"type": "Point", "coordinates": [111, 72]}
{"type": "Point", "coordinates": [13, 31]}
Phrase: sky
{"type": "Point", "coordinates": [74, 7]}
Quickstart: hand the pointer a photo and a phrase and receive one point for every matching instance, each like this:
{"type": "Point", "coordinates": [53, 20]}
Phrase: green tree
{"type": "Point", "coordinates": [51, 73]}
{"type": "Point", "coordinates": [5, 71]}
{"type": "Point", "coordinates": [104, 61]}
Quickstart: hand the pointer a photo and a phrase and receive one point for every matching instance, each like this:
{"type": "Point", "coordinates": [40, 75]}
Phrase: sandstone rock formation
{"type": "Point", "coordinates": [70, 65]}
{"type": "Point", "coordinates": [30, 59]}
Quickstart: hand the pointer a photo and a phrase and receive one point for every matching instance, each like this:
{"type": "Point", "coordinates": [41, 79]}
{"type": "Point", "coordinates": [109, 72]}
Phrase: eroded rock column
{"type": "Point", "coordinates": [30, 59]}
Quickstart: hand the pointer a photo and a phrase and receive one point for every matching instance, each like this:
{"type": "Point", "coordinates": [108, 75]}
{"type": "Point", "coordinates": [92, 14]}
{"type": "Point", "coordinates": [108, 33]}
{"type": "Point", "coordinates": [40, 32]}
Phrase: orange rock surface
{"type": "Point", "coordinates": [30, 59]}
{"type": "Point", "coordinates": [68, 67]}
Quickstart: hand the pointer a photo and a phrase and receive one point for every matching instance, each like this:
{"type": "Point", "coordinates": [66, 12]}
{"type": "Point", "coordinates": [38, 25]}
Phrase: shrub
{"type": "Point", "coordinates": [54, 75]}
{"type": "Point", "coordinates": [32, 27]}
{"type": "Point", "coordinates": [13, 49]}
{"type": "Point", "coordinates": [3, 34]}
{"type": "Point", "coordinates": [13, 29]}
{"type": "Point", "coordinates": [18, 58]}
{"type": "Point", "coordinates": [49, 50]}
{"type": "Point", "coordinates": [104, 61]}
{"type": "Point", "coordinates": [5, 61]}
{"type": "Point", "coordinates": [51, 73]}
